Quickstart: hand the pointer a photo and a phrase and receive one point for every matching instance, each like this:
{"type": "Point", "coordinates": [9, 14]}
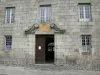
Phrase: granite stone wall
{"type": "Point", "coordinates": [68, 47]}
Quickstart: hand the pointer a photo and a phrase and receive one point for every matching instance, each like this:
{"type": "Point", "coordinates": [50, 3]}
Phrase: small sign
{"type": "Point", "coordinates": [44, 27]}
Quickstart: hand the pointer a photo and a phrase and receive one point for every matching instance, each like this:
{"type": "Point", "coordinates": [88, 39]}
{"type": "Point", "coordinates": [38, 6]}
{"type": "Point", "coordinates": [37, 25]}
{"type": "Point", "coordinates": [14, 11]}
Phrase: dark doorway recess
{"type": "Point", "coordinates": [44, 52]}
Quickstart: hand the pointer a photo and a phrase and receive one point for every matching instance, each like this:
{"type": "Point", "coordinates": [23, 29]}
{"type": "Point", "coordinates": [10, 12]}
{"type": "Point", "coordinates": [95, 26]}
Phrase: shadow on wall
{"type": "Point", "coordinates": [72, 62]}
{"type": "Point", "coordinates": [17, 58]}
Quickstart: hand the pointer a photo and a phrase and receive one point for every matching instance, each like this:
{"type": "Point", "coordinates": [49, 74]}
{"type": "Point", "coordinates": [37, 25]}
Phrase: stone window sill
{"type": "Point", "coordinates": [86, 53]}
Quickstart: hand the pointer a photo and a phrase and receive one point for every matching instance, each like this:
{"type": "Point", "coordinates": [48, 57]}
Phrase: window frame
{"type": "Point", "coordinates": [46, 18]}
{"type": "Point", "coordinates": [5, 42]}
{"type": "Point", "coordinates": [11, 15]}
{"type": "Point", "coordinates": [86, 47]}
{"type": "Point", "coordinates": [84, 12]}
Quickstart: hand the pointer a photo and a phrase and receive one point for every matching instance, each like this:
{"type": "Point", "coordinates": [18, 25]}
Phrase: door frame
{"type": "Point", "coordinates": [44, 53]}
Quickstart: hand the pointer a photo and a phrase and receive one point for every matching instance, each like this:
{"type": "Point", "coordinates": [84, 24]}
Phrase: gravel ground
{"type": "Point", "coordinates": [43, 70]}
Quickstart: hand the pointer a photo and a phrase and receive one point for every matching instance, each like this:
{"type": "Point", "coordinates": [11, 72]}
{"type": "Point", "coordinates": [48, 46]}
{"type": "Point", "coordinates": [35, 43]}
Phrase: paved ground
{"type": "Point", "coordinates": [8, 70]}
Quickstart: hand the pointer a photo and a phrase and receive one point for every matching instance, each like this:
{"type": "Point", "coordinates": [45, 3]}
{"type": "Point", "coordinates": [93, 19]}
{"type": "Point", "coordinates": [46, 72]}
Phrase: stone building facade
{"type": "Point", "coordinates": [71, 32]}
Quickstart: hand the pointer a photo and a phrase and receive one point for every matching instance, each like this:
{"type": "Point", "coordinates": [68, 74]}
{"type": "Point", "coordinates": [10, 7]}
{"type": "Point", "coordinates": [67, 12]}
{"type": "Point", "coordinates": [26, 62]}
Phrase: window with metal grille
{"type": "Point", "coordinates": [10, 14]}
{"type": "Point", "coordinates": [86, 43]}
{"type": "Point", "coordinates": [84, 12]}
{"type": "Point", "coordinates": [8, 42]}
{"type": "Point", "coordinates": [45, 13]}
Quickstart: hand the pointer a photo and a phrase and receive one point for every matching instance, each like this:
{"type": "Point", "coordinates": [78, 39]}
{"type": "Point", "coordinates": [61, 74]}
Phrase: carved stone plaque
{"type": "Point", "coordinates": [44, 27]}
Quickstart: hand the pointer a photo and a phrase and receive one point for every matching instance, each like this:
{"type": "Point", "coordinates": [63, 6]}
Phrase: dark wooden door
{"type": "Point", "coordinates": [43, 52]}
{"type": "Point", "coordinates": [40, 50]}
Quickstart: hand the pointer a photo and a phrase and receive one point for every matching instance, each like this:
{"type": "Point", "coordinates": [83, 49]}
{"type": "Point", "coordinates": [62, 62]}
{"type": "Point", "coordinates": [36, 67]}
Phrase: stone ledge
{"type": "Point", "coordinates": [86, 53]}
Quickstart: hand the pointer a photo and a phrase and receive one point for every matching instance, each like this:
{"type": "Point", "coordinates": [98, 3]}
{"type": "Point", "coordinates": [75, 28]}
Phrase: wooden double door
{"type": "Point", "coordinates": [44, 51]}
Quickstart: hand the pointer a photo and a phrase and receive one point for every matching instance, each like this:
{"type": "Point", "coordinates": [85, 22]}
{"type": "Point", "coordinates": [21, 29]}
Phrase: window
{"type": "Point", "coordinates": [45, 13]}
{"type": "Point", "coordinates": [10, 14]}
{"type": "Point", "coordinates": [86, 43]}
{"type": "Point", "coordinates": [84, 12]}
{"type": "Point", "coordinates": [8, 42]}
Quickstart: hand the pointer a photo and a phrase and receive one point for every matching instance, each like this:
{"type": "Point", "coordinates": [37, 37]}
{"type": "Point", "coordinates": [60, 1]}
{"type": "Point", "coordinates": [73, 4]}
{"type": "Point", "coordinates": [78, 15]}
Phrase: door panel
{"type": "Point", "coordinates": [40, 50]}
{"type": "Point", "coordinates": [44, 53]}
